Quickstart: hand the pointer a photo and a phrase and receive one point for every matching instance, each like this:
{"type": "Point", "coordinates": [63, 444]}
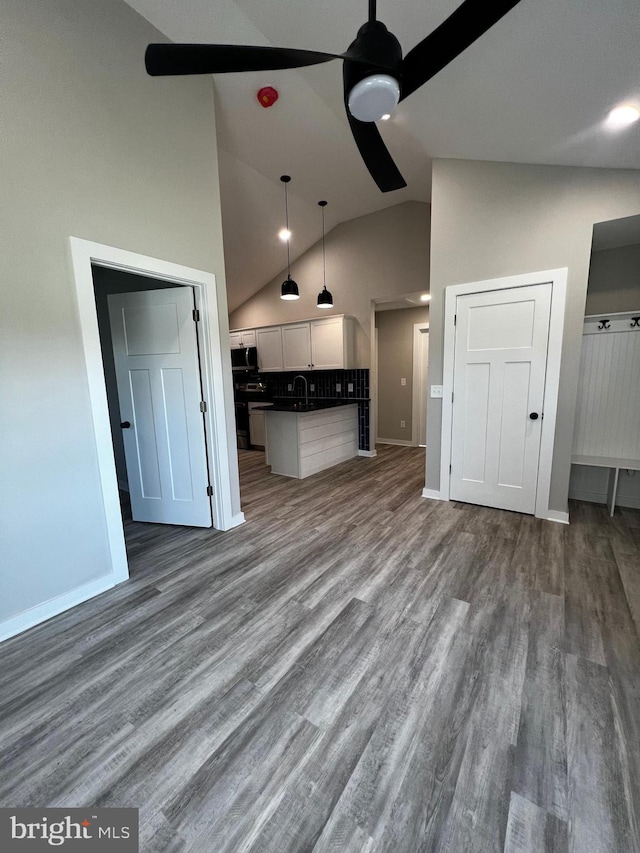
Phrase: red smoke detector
{"type": "Point", "coordinates": [267, 96]}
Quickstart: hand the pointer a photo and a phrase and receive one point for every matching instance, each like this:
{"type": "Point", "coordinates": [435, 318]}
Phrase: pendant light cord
{"type": "Point", "coordinates": [324, 260]}
{"type": "Point", "coordinates": [286, 215]}
{"type": "Point", "coordinates": [372, 10]}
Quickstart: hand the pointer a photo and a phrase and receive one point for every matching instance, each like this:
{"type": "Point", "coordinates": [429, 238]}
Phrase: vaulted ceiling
{"type": "Point", "coordinates": [535, 89]}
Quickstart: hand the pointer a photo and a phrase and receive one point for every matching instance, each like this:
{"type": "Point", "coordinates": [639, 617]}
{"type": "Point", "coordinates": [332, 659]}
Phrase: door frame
{"type": "Point", "coordinates": [418, 329]}
{"type": "Point", "coordinates": [558, 280]}
{"type": "Point", "coordinates": [216, 378]}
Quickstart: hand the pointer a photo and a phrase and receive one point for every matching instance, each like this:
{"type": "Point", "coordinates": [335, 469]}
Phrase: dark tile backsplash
{"type": "Point", "coordinates": [324, 382]}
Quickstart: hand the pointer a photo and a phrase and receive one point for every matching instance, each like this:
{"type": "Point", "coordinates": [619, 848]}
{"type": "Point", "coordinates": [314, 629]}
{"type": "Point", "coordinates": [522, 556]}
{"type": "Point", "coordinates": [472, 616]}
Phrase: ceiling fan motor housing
{"type": "Point", "coordinates": [373, 90]}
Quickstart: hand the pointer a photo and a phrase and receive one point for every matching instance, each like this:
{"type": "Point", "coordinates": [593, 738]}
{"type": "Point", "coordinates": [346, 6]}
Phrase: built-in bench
{"type": "Point", "coordinates": [615, 465]}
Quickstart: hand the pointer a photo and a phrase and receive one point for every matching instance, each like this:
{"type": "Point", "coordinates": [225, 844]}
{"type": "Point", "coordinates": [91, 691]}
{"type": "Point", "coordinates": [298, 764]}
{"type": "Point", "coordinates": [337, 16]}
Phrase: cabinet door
{"type": "Point", "coordinates": [269, 344]}
{"type": "Point", "coordinates": [296, 346]}
{"type": "Point", "coordinates": [256, 428]}
{"type": "Point", "coordinates": [327, 344]}
{"type": "Point", "coordinates": [248, 338]}
{"type": "Point", "coordinates": [235, 339]}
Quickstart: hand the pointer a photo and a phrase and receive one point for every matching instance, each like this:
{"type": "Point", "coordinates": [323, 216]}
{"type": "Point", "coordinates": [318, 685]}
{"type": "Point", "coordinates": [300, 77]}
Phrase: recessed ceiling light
{"type": "Point", "coordinates": [284, 235]}
{"type": "Point", "coordinates": [425, 297]}
{"type": "Point", "coordinates": [385, 117]}
{"type": "Point", "coordinates": [623, 115]}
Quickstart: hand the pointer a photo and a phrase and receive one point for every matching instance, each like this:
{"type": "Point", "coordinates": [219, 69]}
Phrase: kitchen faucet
{"type": "Point", "coordinates": [306, 387]}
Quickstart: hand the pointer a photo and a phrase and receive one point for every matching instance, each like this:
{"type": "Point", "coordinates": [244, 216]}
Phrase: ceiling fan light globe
{"type": "Point", "coordinates": [374, 97]}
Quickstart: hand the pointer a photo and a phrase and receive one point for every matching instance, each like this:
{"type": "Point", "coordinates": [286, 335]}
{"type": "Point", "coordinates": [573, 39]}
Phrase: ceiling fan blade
{"type": "Point", "coordinates": [470, 20]}
{"type": "Point", "coordinates": [373, 150]}
{"type": "Point", "coordinates": [173, 59]}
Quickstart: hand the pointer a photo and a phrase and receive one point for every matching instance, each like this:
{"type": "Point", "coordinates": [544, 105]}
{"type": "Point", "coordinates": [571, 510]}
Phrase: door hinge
{"type": "Point", "coordinates": [203, 406]}
{"type": "Point", "coordinates": [452, 396]}
{"type": "Point", "coordinates": [455, 319]}
{"type": "Point", "coordinates": [196, 315]}
{"type": "Point", "coordinates": [209, 491]}
{"type": "Point", "coordinates": [449, 468]}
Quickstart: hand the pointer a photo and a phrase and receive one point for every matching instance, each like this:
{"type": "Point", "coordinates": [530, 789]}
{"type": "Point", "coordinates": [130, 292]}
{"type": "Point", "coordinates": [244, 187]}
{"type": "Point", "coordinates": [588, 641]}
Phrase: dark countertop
{"type": "Point", "coordinates": [300, 408]}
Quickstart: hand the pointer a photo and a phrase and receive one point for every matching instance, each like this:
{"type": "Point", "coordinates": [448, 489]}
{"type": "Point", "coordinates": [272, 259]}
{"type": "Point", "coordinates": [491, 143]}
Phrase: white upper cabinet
{"type": "Point", "coordinates": [269, 344]}
{"type": "Point", "coordinates": [296, 346]}
{"type": "Point", "coordinates": [242, 339]}
{"type": "Point", "coordinates": [323, 344]}
{"type": "Point", "coordinates": [332, 343]}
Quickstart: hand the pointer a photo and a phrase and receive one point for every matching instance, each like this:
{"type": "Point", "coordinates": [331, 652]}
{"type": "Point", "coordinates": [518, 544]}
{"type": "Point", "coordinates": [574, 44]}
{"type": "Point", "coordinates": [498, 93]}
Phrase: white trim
{"type": "Point", "coordinates": [402, 442]}
{"type": "Point", "coordinates": [48, 609]}
{"type": "Point", "coordinates": [555, 515]}
{"type": "Point", "coordinates": [368, 453]}
{"type": "Point", "coordinates": [236, 520]}
{"type": "Point", "coordinates": [433, 494]}
{"type": "Point", "coordinates": [216, 377]}
{"type": "Point", "coordinates": [558, 279]}
{"type": "Point", "coordinates": [418, 328]}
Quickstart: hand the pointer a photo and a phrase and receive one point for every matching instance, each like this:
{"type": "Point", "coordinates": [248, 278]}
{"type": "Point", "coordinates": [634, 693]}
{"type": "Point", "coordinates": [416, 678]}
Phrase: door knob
{"type": "Point", "coordinates": [534, 416]}
{"type": "Point", "coordinates": [126, 424]}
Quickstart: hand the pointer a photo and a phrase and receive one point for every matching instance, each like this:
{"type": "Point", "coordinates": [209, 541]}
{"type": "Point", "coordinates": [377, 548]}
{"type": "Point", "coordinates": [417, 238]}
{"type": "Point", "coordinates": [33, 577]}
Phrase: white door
{"type": "Point", "coordinates": [158, 375]}
{"type": "Point", "coordinates": [420, 366]}
{"type": "Point", "coordinates": [498, 387]}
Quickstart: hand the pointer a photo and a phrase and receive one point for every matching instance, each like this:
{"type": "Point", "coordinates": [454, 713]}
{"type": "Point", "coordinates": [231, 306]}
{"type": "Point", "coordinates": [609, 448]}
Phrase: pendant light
{"type": "Point", "coordinates": [325, 299]}
{"type": "Point", "coordinates": [289, 289]}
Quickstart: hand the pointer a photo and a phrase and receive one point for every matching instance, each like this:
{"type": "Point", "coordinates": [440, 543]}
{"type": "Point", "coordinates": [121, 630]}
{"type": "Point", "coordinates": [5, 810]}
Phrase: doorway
{"type": "Point", "coordinates": [502, 344]}
{"type": "Point", "coordinates": [216, 373]}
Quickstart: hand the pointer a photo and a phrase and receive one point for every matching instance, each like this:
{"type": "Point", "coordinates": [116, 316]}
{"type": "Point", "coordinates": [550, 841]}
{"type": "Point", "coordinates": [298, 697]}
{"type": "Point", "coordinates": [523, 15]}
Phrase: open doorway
{"type": "Point", "coordinates": [399, 382]}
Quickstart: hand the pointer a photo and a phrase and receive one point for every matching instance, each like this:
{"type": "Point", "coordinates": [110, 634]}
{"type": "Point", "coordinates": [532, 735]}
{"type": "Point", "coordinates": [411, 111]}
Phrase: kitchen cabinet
{"type": "Point", "coordinates": [242, 339]}
{"type": "Point", "coordinates": [300, 444]}
{"type": "Point", "coordinates": [269, 344]}
{"type": "Point", "coordinates": [257, 435]}
{"type": "Point", "coordinates": [325, 344]}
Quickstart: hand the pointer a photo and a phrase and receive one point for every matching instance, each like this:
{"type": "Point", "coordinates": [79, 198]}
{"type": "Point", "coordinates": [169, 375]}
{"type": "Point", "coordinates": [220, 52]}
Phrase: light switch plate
{"type": "Point", "coordinates": [312, 387]}
{"type": "Point", "coordinates": [403, 381]}
{"type": "Point", "coordinates": [350, 387]}
{"type": "Point", "coordinates": [436, 390]}
{"type": "Point", "coordinates": [338, 386]}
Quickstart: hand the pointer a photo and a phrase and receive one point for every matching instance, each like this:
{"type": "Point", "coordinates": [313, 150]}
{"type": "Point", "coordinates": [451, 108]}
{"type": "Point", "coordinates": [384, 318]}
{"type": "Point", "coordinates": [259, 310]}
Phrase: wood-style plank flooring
{"type": "Point", "coordinates": [354, 669]}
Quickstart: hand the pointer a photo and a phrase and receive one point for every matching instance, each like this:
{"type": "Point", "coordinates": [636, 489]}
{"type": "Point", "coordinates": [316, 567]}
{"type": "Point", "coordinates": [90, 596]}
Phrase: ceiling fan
{"type": "Point", "coordinates": [376, 76]}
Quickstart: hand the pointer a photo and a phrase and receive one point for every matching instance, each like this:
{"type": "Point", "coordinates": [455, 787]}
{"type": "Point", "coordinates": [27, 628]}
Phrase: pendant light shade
{"type": "Point", "coordinates": [289, 289]}
{"type": "Point", "coordinates": [325, 299]}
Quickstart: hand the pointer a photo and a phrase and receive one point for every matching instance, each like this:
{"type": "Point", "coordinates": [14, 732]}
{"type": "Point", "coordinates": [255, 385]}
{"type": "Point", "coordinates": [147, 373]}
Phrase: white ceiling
{"type": "Point", "coordinates": [534, 89]}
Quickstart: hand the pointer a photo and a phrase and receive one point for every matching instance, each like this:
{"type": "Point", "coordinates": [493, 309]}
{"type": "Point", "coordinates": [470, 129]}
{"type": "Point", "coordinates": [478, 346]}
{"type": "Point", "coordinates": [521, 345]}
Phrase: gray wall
{"type": "Point", "coordinates": [91, 147]}
{"type": "Point", "coordinates": [375, 256]}
{"type": "Point", "coordinates": [497, 219]}
{"type": "Point", "coordinates": [614, 280]}
{"type": "Point", "coordinates": [395, 361]}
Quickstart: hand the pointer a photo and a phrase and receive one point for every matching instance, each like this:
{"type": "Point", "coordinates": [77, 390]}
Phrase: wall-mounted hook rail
{"type": "Point", "coordinates": [604, 324]}
{"type": "Point", "coordinates": [635, 321]}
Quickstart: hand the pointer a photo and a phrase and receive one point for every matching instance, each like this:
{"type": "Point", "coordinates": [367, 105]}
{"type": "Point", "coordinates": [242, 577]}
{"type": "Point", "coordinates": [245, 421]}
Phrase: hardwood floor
{"type": "Point", "coordinates": [355, 669]}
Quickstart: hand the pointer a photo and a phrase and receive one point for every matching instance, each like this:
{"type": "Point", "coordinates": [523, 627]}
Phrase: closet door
{"type": "Point", "coordinates": [499, 379]}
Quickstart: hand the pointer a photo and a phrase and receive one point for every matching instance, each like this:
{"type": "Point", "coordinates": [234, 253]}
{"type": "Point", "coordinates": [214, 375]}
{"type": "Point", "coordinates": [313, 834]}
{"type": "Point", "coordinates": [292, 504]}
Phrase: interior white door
{"type": "Point", "coordinates": [498, 392]}
{"type": "Point", "coordinates": [159, 390]}
{"type": "Point", "coordinates": [423, 365]}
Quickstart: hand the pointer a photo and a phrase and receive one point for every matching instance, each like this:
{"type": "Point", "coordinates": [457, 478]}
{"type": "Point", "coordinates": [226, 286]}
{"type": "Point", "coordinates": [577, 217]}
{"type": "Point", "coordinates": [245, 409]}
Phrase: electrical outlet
{"type": "Point", "coordinates": [312, 387]}
{"type": "Point", "coordinates": [289, 387]}
{"type": "Point", "coordinates": [436, 390]}
{"type": "Point", "coordinates": [350, 387]}
{"type": "Point", "coordinates": [403, 381]}
{"type": "Point", "coordinates": [403, 424]}
{"type": "Point", "coordinates": [338, 386]}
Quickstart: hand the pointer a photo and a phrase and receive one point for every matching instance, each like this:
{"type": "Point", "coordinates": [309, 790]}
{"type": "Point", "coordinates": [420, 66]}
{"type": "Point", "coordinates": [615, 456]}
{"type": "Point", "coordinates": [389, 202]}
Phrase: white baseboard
{"type": "Point", "coordinates": [433, 495]}
{"type": "Point", "coordinates": [235, 521]}
{"type": "Point", "coordinates": [399, 441]}
{"type": "Point", "coordinates": [48, 609]}
{"type": "Point", "coordinates": [555, 515]}
{"type": "Point", "coordinates": [368, 453]}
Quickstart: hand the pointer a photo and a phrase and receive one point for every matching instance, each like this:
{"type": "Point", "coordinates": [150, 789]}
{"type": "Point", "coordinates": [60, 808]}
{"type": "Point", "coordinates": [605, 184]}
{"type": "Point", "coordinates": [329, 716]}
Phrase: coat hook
{"type": "Point", "coordinates": [635, 321]}
{"type": "Point", "coordinates": [604, 324]}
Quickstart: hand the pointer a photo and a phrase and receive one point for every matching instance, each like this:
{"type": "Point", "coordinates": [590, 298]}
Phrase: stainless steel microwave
{"type": "Point", "coordinates": [245, 358]}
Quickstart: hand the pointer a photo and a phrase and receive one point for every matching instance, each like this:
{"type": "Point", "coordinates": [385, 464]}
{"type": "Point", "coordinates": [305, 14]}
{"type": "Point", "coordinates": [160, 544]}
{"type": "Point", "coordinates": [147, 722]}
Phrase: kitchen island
{"type": "Point", "coordinates": [304, 438]}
